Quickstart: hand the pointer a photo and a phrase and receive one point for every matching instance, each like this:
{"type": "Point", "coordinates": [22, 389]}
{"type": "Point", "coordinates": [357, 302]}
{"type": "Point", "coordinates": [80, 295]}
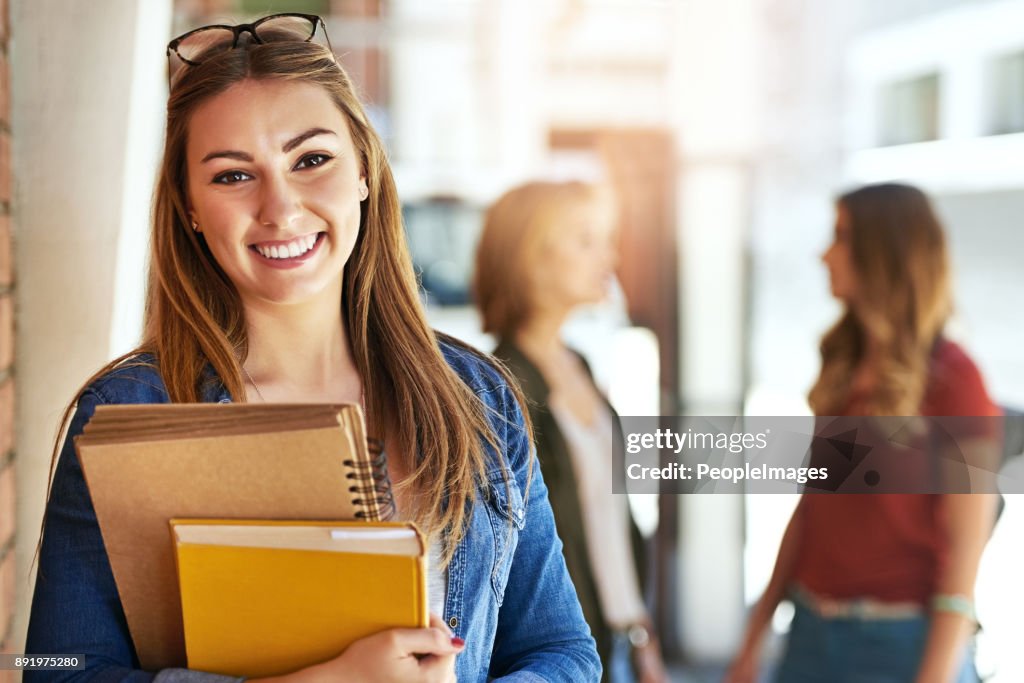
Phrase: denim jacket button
{"type": "Point", "coordinates": [453, 622]}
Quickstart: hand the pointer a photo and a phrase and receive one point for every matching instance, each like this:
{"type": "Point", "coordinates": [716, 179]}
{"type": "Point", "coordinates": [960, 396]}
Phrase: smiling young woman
{"type": "Point", "coordinates": [279, 272]}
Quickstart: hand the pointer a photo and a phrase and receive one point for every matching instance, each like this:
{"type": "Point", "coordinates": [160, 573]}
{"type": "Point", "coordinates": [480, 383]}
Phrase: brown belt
{"type": "Point", "coordinates": [858, 608]}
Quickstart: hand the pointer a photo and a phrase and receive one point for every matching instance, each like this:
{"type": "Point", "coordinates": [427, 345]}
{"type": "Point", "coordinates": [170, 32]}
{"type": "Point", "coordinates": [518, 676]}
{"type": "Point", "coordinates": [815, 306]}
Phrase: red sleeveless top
{"type": "Point", "coordinates": [889, 547]}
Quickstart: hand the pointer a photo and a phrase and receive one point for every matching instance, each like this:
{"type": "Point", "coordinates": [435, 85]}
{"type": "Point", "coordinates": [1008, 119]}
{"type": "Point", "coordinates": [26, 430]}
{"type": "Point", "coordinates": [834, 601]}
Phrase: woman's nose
{"type": "Point", "coordinates": [827, 254]}
{"type": "Point", "coordinates": [280, 204]}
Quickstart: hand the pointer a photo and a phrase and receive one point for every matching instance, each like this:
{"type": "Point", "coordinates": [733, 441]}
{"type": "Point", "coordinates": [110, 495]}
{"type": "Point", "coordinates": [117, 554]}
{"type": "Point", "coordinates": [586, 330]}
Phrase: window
{"type": "Point", "coordinates": [1007, 94]}
{"type": "Point", "coordinates": [910, 111]}
{"type": "Point", "coordinates": [443, 232]}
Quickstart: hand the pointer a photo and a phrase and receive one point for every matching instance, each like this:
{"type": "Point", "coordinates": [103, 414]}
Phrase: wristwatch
{"type": "Point", "coordinates": [639, 636]}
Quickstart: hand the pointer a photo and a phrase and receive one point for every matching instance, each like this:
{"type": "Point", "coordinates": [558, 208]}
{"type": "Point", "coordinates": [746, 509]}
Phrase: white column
{"type": "Point", "coordinates": [715, 99]}
{"type": "Point", "coordinates": [964, 102]}
{"type": "Point", "coordinates": [87, 114]}
{"type": "Point", "coordinates": [713, 222]}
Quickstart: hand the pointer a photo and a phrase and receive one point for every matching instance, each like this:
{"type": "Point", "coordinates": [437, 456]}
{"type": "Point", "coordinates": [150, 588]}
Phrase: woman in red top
{"type": "Point", "coordinates": [883, 584]}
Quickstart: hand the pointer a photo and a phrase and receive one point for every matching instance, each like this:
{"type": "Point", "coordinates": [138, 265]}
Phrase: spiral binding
{"type": "Point", "coordinates": [376, 501]}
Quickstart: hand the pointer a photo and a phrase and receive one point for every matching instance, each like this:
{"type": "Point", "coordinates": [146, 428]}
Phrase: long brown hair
{"type": "Point", "coordinates": [194, 320]}
{"type": "Point", "coordinates": [902, 302]}
{"type": "Point", "coordinates": [514, 228]}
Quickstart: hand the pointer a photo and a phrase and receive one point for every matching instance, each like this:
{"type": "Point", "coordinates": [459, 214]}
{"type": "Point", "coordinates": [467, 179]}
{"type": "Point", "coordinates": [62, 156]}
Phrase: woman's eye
{"type": "Point", "coordinates": [231, 177]}
{"type": "Point", "coordinates": [311, 160]}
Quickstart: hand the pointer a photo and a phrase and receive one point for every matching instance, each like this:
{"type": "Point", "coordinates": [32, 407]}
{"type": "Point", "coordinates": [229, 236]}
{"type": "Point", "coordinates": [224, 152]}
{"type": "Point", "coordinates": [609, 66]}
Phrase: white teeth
{"type": "Point", "coordinates": [292, 249]}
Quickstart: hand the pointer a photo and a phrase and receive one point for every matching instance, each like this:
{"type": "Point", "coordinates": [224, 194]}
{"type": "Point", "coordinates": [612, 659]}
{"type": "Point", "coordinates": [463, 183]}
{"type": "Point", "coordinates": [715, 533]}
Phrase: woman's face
{"type": "Point", "coordinates": [275, 184]}
{"type": "Point", "coordinates": [577, 259]}
{"type": "Point", "coordinates": [839, 259]}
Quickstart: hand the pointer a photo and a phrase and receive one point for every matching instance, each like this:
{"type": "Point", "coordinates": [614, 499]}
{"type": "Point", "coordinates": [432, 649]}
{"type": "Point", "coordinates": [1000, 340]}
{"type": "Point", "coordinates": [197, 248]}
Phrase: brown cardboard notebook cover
{"type": "Point", "coordinates": [145, 465]}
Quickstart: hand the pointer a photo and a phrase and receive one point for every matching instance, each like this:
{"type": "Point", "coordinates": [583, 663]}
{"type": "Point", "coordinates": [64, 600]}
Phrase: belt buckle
{"type": "Point", "coordinates": [831, 609]}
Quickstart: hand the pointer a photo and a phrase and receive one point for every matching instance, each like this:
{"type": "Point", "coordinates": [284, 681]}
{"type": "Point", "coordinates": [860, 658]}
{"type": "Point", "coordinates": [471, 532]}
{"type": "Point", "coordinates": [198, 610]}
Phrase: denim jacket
{"type": "Point", "coordinates": [508, 595]}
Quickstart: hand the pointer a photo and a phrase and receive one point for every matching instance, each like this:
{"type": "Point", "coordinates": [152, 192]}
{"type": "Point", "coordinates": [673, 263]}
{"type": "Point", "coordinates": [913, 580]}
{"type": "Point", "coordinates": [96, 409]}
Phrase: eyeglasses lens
{"type": "Point", "coordinates": [195, 45]}
{"type": "Point", "coordinates": [284, 28]}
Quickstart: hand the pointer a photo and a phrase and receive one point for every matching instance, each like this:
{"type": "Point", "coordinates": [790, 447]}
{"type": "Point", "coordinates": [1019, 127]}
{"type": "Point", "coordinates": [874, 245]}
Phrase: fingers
{"type": "Point", "coordinates": [426, 641]}
{"type": "Point", "coordinates": [437, 622]}
{"type": "Point", "coordinates": [441, 667]}
{"type": "Point", "coordinates": [738, 676]}
{"type": "Point", "coordinates": [438, 669]}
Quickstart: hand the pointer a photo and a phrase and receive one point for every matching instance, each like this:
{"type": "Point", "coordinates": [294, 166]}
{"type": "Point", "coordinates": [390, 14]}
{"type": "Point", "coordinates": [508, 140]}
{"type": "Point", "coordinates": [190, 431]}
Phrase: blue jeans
{"type": "Point", "coordinates": [849, 650]}
{"type": "Point", "coordinates": [620, 663]}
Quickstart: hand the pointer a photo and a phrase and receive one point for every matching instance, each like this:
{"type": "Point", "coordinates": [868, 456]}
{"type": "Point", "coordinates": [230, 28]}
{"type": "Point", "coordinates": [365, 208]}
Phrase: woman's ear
{"type": "Point", "coordinates": [193, 219]}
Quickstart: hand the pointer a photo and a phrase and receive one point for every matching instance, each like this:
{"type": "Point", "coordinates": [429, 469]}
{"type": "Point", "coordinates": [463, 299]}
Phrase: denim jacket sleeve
{"type": "Point", "coordinates": [76, 608]}
{"type": "Point", "coordinates": [541, 634]}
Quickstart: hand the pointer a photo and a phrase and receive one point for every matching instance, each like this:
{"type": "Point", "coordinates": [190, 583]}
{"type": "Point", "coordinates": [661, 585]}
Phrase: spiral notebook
{"type": "Point", "coordinates": [148, 464]}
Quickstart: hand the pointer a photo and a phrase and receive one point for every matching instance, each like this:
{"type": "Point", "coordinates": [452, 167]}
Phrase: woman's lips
{"type": "Point", "coordinates": [288, 253]}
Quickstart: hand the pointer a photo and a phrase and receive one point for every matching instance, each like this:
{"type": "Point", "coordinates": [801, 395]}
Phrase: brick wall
{"type": "Point", "coordinates": [7, 493]}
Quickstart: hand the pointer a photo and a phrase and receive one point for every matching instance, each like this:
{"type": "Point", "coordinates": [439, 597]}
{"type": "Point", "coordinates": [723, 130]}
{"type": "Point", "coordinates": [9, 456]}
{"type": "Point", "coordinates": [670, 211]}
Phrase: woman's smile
{"type": "Point", "coordinates": [288, 253]}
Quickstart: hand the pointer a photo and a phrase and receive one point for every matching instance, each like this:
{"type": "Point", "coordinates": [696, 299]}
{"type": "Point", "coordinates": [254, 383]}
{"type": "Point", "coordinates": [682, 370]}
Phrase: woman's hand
{"type": "Point", "coordinates": [743, 669]}
{"type": "Point", "coordinates": [970, 519]}
{"type": "Point", "coordinates": [650, 667]}
{"type": "Point", "coordinates": [398, 655]}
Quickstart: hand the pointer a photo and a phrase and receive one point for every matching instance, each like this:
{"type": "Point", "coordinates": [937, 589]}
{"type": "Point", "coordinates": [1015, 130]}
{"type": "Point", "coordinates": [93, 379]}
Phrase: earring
{"type": "Point", "coordinates": [195, 227]}
{"type": "Point", "coordinates": [363, 193]}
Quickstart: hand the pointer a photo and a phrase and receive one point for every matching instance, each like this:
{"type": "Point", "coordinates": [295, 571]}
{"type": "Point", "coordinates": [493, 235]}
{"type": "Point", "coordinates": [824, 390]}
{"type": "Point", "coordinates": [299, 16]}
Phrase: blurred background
{"type": "Point", "coordinates": [726, 127]}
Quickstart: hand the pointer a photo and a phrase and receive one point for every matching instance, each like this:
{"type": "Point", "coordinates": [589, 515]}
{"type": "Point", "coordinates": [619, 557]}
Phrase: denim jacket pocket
{"type": "Point", "coordinates": [507, 512]}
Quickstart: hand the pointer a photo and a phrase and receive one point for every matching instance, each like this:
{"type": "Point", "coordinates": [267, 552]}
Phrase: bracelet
{"type": "Point", "coordinates": [955, 604]}
{"type": "Point", "coordinates": [639, 636]}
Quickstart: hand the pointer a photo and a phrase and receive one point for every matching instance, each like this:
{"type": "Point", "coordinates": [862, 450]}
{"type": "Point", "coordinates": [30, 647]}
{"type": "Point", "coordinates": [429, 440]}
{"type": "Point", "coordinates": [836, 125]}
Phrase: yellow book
{"type": "Point", "coordinates": [262, 598]}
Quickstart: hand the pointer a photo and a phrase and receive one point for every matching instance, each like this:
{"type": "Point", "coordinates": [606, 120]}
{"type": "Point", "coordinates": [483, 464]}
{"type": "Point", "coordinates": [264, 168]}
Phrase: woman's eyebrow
{"type": "Point", "coordinates": [302, 137]}
{"type": "Point", "coordinates": [287, 147]}
{"type": "Point", "coordinates": [227, 154]}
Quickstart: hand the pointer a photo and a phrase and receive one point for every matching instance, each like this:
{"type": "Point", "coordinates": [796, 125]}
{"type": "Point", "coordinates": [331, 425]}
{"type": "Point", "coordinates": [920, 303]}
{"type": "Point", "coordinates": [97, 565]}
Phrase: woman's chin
{"type": "Point", "coordinates": [840, 295]}
{"type": "Point", "coordinates": [595, 298]}
{"type": "Point", "coordinates": [287, 296]}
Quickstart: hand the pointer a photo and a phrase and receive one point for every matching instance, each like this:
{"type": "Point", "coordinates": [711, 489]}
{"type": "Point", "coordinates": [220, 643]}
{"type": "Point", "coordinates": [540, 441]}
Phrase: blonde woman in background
{"type": "Point", "coordinates": [883, 584]}
{"type": "Point", "coordinates": [546, 249]}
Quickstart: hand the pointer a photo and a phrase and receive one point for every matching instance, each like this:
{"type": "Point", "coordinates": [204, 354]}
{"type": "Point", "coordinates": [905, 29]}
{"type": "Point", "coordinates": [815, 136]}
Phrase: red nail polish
{"type": "Point", "coordinates": [458, 642]}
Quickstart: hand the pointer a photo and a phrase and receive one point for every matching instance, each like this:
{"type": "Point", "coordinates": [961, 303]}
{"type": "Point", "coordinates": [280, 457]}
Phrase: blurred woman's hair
{"type": "Point", "coordinates": [515, 230]}
{"type": "Point", "coordinates": [194, 320]}
{"type": "Point", "coordinates": [902, 300]}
